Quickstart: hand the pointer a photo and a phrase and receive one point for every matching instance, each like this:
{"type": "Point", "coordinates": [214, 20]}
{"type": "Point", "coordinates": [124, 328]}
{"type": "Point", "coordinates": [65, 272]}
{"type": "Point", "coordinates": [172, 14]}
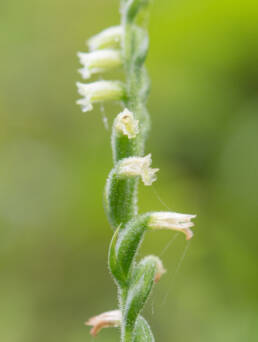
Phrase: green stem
{"type": "Point", "coordinates": [128, 336]}
{"type": "Point", "coordinates": [137, 87]}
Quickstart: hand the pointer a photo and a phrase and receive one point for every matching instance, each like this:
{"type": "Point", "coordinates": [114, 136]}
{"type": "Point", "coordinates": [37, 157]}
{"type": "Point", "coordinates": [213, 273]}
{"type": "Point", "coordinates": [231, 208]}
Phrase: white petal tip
{"type": "Point", "coordinates": [173, 221]}
{"type": "Point", "coordinates": [104, 320]}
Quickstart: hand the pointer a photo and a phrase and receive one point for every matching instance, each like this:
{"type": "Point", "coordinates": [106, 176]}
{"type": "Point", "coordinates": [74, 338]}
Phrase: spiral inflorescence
{"type": "Point", "coordinates": [127, 45]}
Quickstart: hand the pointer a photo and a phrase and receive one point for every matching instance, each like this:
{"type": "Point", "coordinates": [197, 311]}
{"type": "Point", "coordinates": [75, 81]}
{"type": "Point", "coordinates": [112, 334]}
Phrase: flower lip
{"type": "Point", "coordinates": [85, 104]}
{"type": "Point", "coordinates": [104, 320]}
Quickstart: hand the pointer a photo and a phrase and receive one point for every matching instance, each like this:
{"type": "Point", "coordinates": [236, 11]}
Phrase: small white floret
{"type": "Point", "coordinates": [99, 61]}
{"type": "Point", "coordinates": [98, 92]}
{"type": "Point", "coordinates": [138, 166]}
{"type": "Point", "coordinates": [109, 38]}
{"type": "Point", "coordinates": [105, 320]}
{"type": "Point", "coordinates": [173, 221]}
{"type": "Point", "coordinates": [126, 124]}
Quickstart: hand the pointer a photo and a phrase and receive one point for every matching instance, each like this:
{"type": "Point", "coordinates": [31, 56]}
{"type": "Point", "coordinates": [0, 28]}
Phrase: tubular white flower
{"type": "Point", "coordinates": [105, 320]}
{"type": "Point", "coordinates": [109, 38]}
{"type": "Point", "coordinates": [99, 61]}
{"type": "Point", "coordinates": [98, 92]}
{"type": "Point", "coordinates": [138, 166]}
{"type": "Point", "coordinates": [126, 124]}
{"type": "Point", "coordinates": [173, 221]}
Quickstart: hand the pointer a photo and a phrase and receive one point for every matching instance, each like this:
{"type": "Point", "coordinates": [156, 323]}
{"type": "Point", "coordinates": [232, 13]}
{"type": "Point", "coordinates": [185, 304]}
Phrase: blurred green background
{"type": "Point", "coordinates": [54, 236]}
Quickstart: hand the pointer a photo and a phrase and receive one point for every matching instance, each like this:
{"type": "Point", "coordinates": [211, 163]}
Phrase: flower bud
{"type": "Point", "coordinates": [99, 61]}
{"type": "Point", "coordinates": [109, 38]}
{"type": "Point", "coordinates": [160, 270]}
{"type": "Point", "coordinates": [173, 221]}
{"type": "Point", "coordinates": [126, 124]}
{"type": "Point", "coordinates": [138, 166]}
{"type": "Point", "coordinates": [99, 91]}
{"type": "Point", "coordinates": [105, 320]}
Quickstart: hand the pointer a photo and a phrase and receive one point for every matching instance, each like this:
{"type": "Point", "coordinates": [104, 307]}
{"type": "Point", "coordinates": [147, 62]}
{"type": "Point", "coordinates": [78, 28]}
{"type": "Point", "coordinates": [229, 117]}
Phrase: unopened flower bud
{"type": "Point", "coordinates": [98, 92]}
{"type": "Point", "coordinates": [173, 221]}
{"type": "Point", "coordinates": [99, 61]}
{"type": "Point", "coordinates": [126, 124]}
{"type": "Point", "coordinates": [138, 166]}
{"type": "Point", "coordinates": [109, 38]}
{"type": "Point", "coordinates": [104, 320]}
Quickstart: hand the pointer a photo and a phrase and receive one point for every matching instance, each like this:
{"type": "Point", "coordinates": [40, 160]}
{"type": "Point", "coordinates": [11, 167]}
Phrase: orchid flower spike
{"type": "Point", "coordinates": [126, 124]}
{"type": "Point", "coordinates": [99, 91]}
{"type": "Point", "coordinates": [109, 38]}
{"type": "Point", "coordinates": [173, 221]}
{"type": "Point", "coordinates": [138, 166]}
{"type": "Point", "coordinates": [105, 320]}
{"type": "Point", "coordinates": [99, 61]}
{"type": "Point", "coordinates": [127, 46]}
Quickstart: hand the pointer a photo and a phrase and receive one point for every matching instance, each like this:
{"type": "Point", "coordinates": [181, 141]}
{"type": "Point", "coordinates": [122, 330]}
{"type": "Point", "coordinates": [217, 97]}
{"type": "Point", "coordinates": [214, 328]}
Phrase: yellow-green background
{"type": "Point", "coordinates": [54, 160]}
